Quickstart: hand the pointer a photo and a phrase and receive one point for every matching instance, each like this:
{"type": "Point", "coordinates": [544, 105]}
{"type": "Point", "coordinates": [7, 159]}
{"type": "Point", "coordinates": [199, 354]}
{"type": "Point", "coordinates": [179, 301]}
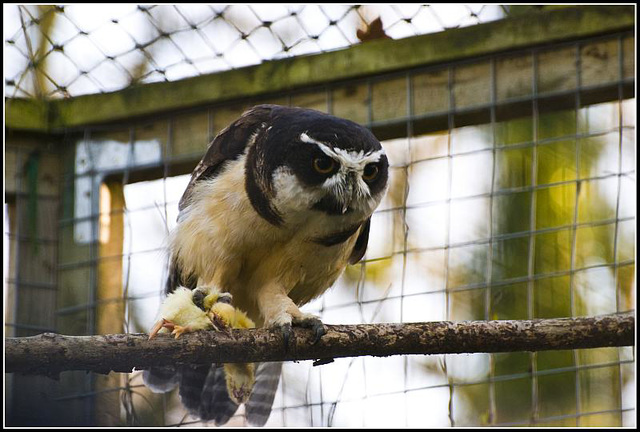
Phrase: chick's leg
{"type": "Point", "coordinates": [160, 324]}
{"type": "Point", "coordinates": [179, 330]}
{"type": "Point", "coordinates": [281, 312]}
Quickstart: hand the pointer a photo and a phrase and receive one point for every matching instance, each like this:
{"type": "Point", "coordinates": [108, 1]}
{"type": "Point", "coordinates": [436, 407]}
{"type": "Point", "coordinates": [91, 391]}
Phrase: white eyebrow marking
{"type": "Point", "coordinates": [348, 159]}
{"type": "Point", "coordinates": [323, 146]}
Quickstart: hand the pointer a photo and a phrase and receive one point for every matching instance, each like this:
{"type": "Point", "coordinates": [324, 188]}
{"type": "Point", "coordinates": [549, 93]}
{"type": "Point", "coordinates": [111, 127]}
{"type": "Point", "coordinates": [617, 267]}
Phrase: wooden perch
{"type": "Point", "coordinates": [49, 354]}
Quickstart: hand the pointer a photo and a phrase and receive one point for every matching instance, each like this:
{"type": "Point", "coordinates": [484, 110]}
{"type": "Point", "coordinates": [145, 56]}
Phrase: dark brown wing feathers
{"type": "Point", "coordinates": [228, 145]}
{"type": "Point", "coordinates": [361, 243]}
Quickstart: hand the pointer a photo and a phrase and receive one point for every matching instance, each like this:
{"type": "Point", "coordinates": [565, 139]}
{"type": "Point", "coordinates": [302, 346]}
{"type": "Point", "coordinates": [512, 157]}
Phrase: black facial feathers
{"type": "Point", "coordinates": [284, 146]}
{"type": "Point", "coordinates": [278, 143]}
{"type": "Point", "coordinates": [271, 137]}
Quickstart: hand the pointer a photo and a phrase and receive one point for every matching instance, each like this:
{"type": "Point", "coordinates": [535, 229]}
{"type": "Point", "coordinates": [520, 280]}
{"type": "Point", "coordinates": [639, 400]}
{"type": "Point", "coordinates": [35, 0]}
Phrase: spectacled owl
{"type": "Point", "coordinates": [278, 206]}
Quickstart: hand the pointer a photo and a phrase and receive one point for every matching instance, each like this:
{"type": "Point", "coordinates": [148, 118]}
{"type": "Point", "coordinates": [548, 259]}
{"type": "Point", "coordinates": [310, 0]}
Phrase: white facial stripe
{"type": "Point", "coordinates": [306, 138]}
{"type": "Point", "coordinates": [323, 146]}
{"type": "Point", "coordinates": [357, 161]}
{"type": "Point", "coordinates": [348, 159]}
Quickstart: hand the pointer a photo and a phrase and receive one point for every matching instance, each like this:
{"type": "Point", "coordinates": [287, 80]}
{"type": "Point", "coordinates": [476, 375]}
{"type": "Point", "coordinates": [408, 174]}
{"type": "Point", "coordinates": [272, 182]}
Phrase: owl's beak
{"type": "Point", "coordinates": [347, 197]}
{"type": "Point", "coordinates": [342, 195]}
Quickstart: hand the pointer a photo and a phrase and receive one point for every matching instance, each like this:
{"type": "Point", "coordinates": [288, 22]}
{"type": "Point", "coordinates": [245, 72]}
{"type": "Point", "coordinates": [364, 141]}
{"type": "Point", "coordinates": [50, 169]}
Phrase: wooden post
{"type": "Point", "coordinates": [33, 170]}
{"type": "Point", "coordinates": [109, 299]}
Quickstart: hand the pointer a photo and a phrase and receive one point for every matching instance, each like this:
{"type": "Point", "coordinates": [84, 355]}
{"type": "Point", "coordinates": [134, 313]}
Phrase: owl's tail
{"type": "Point", "coordinates": [258, 407]}
{"type": "Point", "coordinates": [203, 391]}
{"type": "Point", "coordinates": [161, 379]}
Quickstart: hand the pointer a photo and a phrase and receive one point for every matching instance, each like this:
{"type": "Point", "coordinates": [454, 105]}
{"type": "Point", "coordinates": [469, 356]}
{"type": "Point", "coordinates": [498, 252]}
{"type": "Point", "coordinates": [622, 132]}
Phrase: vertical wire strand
{"type": "Point", "coordinates": [129, 407]}
{"type": "Point", "coordinates": [91, 305]}
{"type": "Point", "coordinates": [574, 224]}
{"type": "Point", "coordinates": [168, 153]}
{"type": "Point", "coordinates": [409, 132]}
{"type": "Point", "coordinates": [488, 296]}
{"type": "Point", "coordinates": [532, 229]}
{"type": "Point", "coordinates": [617, 211]}
{"type": "Point", "coordinates": [450, 127]}
{"type": "Point", "coordinates": [20, 162]}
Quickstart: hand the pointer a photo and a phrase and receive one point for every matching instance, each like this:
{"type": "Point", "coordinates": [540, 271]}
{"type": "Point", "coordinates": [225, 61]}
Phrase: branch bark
{"type": "Point", "coordinates": [49, 354]}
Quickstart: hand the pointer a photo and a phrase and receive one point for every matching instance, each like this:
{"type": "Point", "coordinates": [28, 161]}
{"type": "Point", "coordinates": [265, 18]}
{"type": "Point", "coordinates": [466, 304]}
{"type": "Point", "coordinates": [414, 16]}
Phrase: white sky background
{"type": "Point", "coordinates": [371, 390]}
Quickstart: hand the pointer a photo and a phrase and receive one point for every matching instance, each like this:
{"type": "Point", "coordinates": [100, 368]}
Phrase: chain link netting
{"type": "Point", "coordinates": [512, 196]}
{"type": "Point", "coordinates": [66, 51]}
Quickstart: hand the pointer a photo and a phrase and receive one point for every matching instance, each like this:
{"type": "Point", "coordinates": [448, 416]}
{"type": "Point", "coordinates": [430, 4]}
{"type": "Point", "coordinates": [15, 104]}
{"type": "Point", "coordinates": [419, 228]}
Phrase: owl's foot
{"type": "Point", "coordinates": [225, 297]}
{"type": "Point", "coordinates": [285, 321]}
{"type": "Point", "coordinates": [219, 323]}
{"type": "Point", "coordinates": [312, 322]}
{"type": "Point", "coordinates": [201, 292]}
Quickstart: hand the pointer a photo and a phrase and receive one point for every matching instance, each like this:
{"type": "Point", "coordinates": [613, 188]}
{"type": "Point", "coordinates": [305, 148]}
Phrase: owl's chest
{"type": "Point", "coordinates": [225, 230]}
{"type": "Point", "coordinates": [294, 253]}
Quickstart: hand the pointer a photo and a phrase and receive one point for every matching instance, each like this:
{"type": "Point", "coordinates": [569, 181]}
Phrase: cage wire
{"type": "Point", "coordinates": [102, 48]}
{"type": "Point", "coordinates": [512, 196]}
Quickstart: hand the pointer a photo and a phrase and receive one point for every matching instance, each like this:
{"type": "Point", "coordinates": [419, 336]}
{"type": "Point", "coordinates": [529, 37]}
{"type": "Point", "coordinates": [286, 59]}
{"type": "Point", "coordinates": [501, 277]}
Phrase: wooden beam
{"type": "Point", "coordinates": [273, 77]}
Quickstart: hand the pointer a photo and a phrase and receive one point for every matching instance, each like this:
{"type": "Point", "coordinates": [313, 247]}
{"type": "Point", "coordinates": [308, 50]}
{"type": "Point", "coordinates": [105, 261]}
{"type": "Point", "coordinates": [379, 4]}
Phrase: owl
{"type": "Point", "coordinates": [276, 209]}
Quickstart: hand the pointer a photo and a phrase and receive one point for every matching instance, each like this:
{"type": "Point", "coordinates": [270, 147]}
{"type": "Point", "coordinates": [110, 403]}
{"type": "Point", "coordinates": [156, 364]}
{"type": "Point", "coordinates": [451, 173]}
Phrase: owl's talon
{"type": "Point", "coordinates": [198, 298]}
{"type": "Point", "coordinates": [318, 331]}
{"type": "Point", "coordinates": [218, 323]}
{"type": "Point", "coordinates": [225, 297]}
{"type": "Point", "coordinates": [286, 335]}
{"type": "Point", "coordinates": [314, 323]}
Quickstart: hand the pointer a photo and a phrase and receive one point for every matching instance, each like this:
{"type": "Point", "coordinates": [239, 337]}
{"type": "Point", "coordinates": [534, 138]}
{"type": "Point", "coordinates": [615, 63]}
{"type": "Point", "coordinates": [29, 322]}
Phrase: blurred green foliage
{"type": "Point", "coordinates": [548, 172]}
{"type": "Point", "coordinates": [550, 254]}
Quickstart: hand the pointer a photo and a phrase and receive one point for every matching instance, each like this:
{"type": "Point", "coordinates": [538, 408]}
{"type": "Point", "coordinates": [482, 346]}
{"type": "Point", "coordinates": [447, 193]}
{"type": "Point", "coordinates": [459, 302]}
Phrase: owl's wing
{"type": "Point", "coordinates": [215, 403]}
{"type": "Point", "coordinates": [203, 392]}
{"type": "Point", "coordinates": [192, 380]}
{"type": "Point", "coordinates": [228, 145]}
{"type": "Point", "coordinates": [203, 388]}
{"type": "Point", "coordinates": [361, 243]}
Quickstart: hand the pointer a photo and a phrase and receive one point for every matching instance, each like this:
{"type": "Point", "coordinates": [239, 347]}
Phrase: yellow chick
{"type": "Point", "coordinates": [222, 311]}
{"type": "Point", "coordinates": [185, 311]}
{"type": "Point", "coordinates": [240, 377]}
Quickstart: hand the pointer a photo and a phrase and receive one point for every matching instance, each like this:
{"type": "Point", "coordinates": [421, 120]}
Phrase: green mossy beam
{"type": "Point", "coordinates": [371, 58]}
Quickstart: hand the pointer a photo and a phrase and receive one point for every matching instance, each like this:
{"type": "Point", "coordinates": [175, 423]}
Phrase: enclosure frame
{"type": "Point", "coordinates": [44, 128]}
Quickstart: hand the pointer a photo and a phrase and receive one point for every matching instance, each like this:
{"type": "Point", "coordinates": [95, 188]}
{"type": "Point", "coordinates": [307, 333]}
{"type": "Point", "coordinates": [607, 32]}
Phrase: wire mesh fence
{"type": "Point", "coordinates": [512, 196]}
{"type": "Point", "coordinates": [64, 51]}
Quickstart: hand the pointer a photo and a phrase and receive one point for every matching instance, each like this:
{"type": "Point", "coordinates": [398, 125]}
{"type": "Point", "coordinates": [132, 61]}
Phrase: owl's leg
{"type": "Point", "coordinates": [281, 312]}
{"type": "Point", "coordinates": [202, 291]}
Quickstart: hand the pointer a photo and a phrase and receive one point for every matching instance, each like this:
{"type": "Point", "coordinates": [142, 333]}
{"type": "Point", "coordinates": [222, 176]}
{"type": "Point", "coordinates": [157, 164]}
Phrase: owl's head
{"type": "Point", "coordinates": [303, 160]}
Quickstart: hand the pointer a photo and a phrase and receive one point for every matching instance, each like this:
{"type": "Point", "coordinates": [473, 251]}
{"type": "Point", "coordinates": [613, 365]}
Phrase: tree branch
{"type": "Point", "coordinates": [49, 354]}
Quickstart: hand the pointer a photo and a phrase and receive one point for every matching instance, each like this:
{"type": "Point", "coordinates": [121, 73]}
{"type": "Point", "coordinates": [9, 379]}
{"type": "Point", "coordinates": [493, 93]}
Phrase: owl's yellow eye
{"type": "Point", "coordinates": [323, 165]}
{"type": "Point", "coordinates": [370, 172]}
